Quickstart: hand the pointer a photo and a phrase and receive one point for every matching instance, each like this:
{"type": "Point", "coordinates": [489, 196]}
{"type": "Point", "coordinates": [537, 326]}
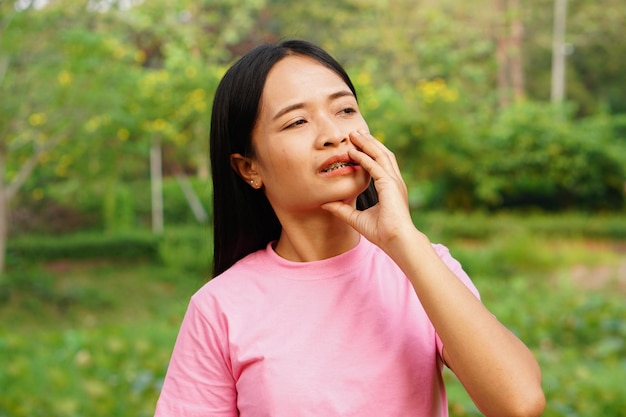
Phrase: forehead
{"type": "Point", "coordinates": [298, 78]}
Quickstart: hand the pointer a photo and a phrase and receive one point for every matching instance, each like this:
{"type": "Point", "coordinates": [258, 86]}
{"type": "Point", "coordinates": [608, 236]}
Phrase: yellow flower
{"type": "Point", "coordinates": [436, 90]}
{"type": "Point", "coordinates": [180, 139]}
{"type": "Point", "coordinates": [37, 119]}
{"type": "Point", "coordinates": [64, 78]}
{"type": "Point", "coordinates": [191, 72]}
{"type": "Point", "coordinates": [93, 124]}
{"type": "Point", "coordinates": [363, 79]}
{"type": "Point", "coordinates": [37, 194]}
{"type": "Point", "coordinates": [159, 125]}
{"type": "Point", "coordinates": [140, 57]}
{"type": "Point", "coordinates": [450, 95]}
{"type": "Point", "coordinates": [61, 170]}
{"type": "Point", "coordinates": [200, 106]}
{"type": "Point", "coordinates": [197, 95]}
{"type": "Point", "coordinates": [123, 134]}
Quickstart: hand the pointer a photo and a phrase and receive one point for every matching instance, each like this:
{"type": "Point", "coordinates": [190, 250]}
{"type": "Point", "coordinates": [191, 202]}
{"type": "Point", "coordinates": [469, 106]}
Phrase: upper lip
{"type": "Point", "coordinates": [335, 159]}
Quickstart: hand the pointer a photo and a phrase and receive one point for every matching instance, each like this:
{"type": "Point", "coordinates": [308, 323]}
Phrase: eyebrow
{"type": "Point", "coordinates": [296, 106]}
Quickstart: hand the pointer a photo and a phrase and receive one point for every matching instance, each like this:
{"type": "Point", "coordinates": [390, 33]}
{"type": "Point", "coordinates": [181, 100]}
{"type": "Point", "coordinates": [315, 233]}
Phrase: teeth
{"type": "Point", "coordinates": [337, 165]}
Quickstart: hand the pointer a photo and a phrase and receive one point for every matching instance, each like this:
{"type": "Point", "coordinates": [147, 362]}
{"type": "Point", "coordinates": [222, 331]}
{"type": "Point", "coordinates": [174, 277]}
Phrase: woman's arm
{"type": "Point", "coordinates": [497, 369]}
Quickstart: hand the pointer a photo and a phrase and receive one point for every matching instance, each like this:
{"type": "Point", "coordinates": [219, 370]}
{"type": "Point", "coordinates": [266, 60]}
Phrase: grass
{"type": "Point", "coordinates": [92, 340]}
{"type": "Point", "coordinates": [574, 326]}
{"type": "Point", "coordinates": [93, 337]}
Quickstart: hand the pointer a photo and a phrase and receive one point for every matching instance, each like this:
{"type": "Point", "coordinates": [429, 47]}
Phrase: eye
{"type": "Point", "coordinates": [296, 123]}
{"type": "Point", "coordinates": [348, 110]}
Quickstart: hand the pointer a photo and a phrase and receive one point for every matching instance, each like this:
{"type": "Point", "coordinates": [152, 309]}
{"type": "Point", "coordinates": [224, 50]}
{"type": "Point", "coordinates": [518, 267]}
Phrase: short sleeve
{"type": "Point", "coordinates": [199, 379]}
{"type": "Point", "coordinates": [455, 266]}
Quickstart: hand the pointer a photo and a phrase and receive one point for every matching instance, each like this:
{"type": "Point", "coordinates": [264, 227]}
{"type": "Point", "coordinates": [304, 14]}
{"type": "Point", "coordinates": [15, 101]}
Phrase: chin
{"type": "Point", "coordinates": [350, 198]}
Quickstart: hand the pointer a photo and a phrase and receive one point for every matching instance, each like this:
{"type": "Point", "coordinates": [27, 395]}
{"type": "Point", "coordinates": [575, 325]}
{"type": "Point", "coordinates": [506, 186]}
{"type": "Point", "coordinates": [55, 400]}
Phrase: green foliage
{"type": "Point", "coordinates": [188, 249]}
{"type": "Point", "coordinates": [595, 75]}
{"type": "Point", "coordinates": [532, 155]}
{"type": "Point", "coordinates": [577, 338]}
{"type": "Point", "coordinates": [109, 205]}
{"type": "Point", "coordinates": [110, 80]}
{"type": "Point", "coordinates": [128, 246]}
{"type": "Point", "coordinates": [93, 338]}
{"type": "Point", "coordinates": [35, 290]}
{"type": "Point", "coordinates": [183, 249]}
{"type": "Point", "coordinates": [536, 155]}
{"type": "Point", "coordinates": [478, 226]}
{"type": "Point", "coordinates": [104, 371]}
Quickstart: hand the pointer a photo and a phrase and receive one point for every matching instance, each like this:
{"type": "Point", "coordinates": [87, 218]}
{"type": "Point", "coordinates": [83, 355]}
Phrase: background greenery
{"type": "Point", "coordinates": [91, 335]}
{"type": "Point", "coordinates": [528, 194]}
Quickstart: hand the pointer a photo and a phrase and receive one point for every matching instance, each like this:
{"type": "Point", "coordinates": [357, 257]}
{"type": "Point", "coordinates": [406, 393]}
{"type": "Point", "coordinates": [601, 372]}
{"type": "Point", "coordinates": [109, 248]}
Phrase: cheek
{"type": "Point", "coordinates": [363, 124]}
{"type": "Point", "coordinates": [278, 165]}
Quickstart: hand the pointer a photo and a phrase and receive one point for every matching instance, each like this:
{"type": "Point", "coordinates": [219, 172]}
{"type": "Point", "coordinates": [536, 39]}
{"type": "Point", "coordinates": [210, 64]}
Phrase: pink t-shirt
{"type": "Point", "coordinates": [345, 336]}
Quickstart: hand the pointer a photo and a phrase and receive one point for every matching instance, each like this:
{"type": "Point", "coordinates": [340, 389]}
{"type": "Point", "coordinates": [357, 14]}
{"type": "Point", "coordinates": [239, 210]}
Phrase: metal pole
{"type": "Point", "coordinates": [558, 52]}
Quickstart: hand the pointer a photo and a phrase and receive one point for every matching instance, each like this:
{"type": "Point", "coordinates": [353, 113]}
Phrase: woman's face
{"type": "Point", "coordinates": [301, 137]}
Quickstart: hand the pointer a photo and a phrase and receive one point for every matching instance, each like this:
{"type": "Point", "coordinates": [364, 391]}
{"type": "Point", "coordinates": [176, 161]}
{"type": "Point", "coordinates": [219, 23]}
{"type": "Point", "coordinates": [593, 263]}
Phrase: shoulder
{"type": "Point", "coordinates": [384, 262]}
{"type": "Point", "coordinates": [238, 286]}
{"type": "Point", "coordinates": [455, 266]}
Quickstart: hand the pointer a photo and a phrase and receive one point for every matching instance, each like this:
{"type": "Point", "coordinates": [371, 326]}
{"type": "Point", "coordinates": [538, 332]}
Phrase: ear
{"type": "Point", "coordinates": [246, 168]}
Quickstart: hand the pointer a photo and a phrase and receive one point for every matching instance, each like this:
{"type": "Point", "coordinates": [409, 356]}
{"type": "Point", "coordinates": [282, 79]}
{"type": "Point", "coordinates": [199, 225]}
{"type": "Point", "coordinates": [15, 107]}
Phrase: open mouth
{"type": "Point", "coordinates": [338, 165]}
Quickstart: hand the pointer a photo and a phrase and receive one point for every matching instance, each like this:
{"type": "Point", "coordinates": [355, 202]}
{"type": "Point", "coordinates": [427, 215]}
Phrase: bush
{"type": "Point", "coordinates": [71, 206]}
{"type": "Point", "coordinates": [123, 246]}
{"type": "Point", "coordinates": [536, 156]}
{"type": "Point", "coordinates": [188, 249]}
{"type": "Point", "coordinates": [185, 249]}
{"type": "Point", "coordinates": [482, 225]}
{"type": "Point", "coordinates": [36, 290]}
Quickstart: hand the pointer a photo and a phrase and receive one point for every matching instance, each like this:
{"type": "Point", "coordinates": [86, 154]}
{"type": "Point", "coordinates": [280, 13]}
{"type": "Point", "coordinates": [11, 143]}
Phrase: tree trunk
{"type": "Point", "coordinates": [501, 54]}
{"type": "Point", "coordinates": [509, 34]}
{"type": "Point", "coordinates": [4, 214]}
{"type": "Point", "coordinates": [515, 51]}
{"type": "Point", "coordinates": [558, 52]}
{"type": "Point", "coordinates": [156, 174]}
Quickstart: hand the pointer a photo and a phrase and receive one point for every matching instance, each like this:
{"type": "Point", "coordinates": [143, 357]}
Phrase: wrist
{"type": "Point", "coordinates": [408, 242]}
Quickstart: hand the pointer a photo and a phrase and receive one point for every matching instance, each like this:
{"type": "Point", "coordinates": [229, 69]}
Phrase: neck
{"type": "Point", "coordinates": [313, 238]}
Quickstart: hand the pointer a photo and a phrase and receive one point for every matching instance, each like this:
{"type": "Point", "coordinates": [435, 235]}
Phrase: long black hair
{"type": "Point", "coordinates": [243, 219]}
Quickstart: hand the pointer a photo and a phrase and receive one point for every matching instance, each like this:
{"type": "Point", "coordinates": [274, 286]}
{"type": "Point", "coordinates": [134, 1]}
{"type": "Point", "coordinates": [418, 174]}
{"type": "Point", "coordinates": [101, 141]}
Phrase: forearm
{"type": "Point", "coordinates": [497, 369]}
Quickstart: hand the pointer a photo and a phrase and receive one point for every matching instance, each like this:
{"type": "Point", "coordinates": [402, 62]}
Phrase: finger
{"type": "Point", "coordinates": [377, 168]}
{"type": "Point", "coordinates": [380, 167]}
{"type": "Point", "coordinates": [373, 167]}
{"type": "Point", "coordinates": [376, 150]}
{"type": "Point", "coordinates": [343, 211]}
{"type": "Point", "coordinates": [368, 144]}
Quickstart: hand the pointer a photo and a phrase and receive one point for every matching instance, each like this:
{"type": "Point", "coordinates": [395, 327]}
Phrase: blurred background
{"type": "Point", "coordinates": [508, 118]}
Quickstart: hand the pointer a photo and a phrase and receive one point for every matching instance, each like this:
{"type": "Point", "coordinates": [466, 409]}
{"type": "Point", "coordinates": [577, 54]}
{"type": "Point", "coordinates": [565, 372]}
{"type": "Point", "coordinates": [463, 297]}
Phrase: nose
{"type": "Point", "coordinates": [333, 142]}
{"type": "Point", "coordinates": [331, 134]}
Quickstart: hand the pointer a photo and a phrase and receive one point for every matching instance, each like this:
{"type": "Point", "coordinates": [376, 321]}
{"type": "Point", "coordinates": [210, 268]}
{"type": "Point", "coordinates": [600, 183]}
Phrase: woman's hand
{"type": "Point", "coordinates": [388, 220]}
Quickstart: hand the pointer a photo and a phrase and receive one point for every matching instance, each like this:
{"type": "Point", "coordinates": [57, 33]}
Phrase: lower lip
{"type": "Point", "coordinates": [347, 170]}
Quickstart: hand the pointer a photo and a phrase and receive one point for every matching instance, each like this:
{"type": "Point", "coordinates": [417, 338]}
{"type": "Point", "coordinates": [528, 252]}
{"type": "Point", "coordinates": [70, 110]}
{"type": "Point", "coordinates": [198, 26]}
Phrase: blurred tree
{"type": "Point", "coordinates": [596, 59]}
{"type": "Point", "coordinates": [537, 155]}
{"type": "Point", "coordinates": [113, 76]}
{"type": "Point", "coordinates": [37, 112]}
{"type": "Point", "coordinates": [509, 32]}
{"type": "Point", "coordinates": [110, 78]}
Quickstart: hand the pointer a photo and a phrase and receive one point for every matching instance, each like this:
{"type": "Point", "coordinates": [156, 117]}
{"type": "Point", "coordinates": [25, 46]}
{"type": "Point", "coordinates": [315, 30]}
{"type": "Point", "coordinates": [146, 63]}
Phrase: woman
{"type": "Point", "coordinates": [327, 301]}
